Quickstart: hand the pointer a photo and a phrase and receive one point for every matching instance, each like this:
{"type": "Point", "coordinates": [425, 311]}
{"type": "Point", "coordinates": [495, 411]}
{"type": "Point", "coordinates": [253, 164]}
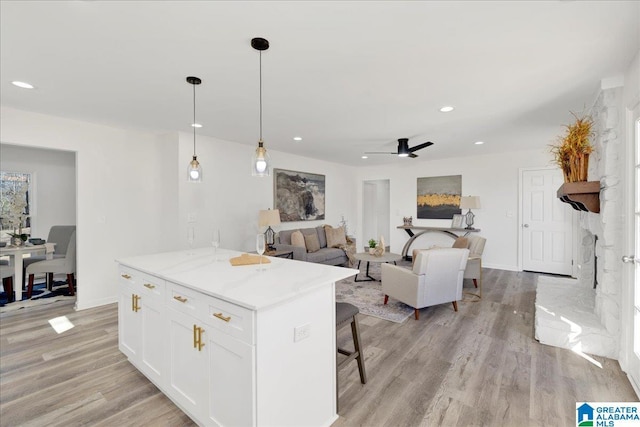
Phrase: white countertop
{"type": "Point", "coordinates": [281, 280]}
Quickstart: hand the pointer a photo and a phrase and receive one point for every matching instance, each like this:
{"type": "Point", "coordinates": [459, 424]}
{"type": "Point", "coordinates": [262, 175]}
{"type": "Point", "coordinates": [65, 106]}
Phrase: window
{"type": "Point", "coordinates": [15, 208]}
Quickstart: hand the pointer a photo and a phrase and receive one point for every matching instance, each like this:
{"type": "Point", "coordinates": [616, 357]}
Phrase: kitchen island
{"type": "Point", "coordinates": [233, 345]}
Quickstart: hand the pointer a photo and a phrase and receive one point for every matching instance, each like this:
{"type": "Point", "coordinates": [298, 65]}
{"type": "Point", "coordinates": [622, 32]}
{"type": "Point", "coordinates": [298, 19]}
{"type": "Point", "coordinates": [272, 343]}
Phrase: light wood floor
{"type": "Point", "coordinates": [479, 366]}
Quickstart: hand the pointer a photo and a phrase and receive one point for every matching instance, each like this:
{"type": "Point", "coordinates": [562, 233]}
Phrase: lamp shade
{"type": "Point", "coordinates": [269, 217]}
{"type": "Point", "coordinates": [470, 202]}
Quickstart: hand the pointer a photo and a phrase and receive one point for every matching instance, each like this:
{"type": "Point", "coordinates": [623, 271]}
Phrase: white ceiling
{"type": "Point", "coordinates": [348, 77]}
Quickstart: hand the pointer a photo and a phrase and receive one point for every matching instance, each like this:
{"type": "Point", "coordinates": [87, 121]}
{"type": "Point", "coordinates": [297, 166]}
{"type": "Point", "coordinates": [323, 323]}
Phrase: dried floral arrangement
{"type": "Point", "coordinates": [572, 150]}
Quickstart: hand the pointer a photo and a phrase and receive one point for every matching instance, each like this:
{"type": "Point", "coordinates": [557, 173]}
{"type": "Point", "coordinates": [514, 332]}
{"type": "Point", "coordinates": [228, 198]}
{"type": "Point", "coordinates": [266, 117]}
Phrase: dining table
{"type": "Point", "coordinates": [16, 254]}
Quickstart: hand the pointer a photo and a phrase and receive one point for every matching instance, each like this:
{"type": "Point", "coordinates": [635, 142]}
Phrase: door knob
{"type": "Point", "coordinates": [629, 258]}
{"type": "Point", "coordinates": [525, 225]}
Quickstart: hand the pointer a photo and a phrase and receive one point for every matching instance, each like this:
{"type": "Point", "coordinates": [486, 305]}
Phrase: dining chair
{"type": "Point", "coordinates": [66, 265]}
{"type": "Point", "coordinates": [59, 235]}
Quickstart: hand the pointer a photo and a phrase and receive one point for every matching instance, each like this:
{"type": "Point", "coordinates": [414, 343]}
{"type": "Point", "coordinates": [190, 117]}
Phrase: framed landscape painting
{"type": "Point", "coordinates": [298, 195]}
{"type": "Point", "coordinates": [439, 196]}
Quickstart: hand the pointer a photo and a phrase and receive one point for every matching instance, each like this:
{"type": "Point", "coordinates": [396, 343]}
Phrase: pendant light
{"type": "Point", "coordinates": [260, 162]}
{"type": "Point", "coordinates": [194, 171]}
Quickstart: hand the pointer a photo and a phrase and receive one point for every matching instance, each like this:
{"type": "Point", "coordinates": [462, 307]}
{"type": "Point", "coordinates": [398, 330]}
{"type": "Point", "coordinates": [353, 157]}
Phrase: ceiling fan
{"type": "Point", "coordinates": [403, 148]}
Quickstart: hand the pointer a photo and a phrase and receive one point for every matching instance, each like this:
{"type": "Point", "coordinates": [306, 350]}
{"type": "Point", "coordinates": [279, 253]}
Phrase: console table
{"type": "Point", "coordinates": [451, 232]}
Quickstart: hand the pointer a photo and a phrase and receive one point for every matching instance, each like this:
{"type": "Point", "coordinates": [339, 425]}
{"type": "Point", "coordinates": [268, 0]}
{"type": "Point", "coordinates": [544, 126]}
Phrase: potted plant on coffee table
{"type": "Point", "coordinates": [372, 245]}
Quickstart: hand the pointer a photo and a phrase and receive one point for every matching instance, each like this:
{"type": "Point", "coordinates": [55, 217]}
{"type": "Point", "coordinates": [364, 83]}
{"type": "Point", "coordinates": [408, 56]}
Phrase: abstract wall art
{"type": "Point", "coordinates": [439, 196]}
{"type": "Point", "coordinates": [299, 195]}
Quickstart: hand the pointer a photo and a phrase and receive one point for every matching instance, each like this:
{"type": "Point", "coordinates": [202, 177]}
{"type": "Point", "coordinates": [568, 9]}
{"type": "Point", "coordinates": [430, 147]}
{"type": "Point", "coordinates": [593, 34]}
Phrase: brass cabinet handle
{"type": "Point", "coordinates": [200, 343]}
{"type": "Point", "coordinates": [221, 317]}
{"type": "Point", "coordinates": [134, 302]}
{"type": "Point", "coordinates": [197, 337]}
{"type": "Point", "coordinates": [126, 276]}
{"type": "Point", "coordinates": [149, 285]}
{"type": "Point", "coordinates": [179, 298]}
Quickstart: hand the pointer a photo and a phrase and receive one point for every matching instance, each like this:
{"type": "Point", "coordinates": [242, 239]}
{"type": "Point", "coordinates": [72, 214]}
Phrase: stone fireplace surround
{"type": "Point", "coordinates": [570, 313]}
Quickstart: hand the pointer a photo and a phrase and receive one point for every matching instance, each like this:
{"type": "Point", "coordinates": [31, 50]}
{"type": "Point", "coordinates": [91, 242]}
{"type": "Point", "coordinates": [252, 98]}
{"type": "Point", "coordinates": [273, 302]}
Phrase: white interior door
{"type": "Point", "coordinates": [376, 211]}
{"type": "Point", "coordinates": [369, 218]}
{"type": "Point", "coordinates": [547, 229]}
{"type": "Point", "coordinates": [632, 258]}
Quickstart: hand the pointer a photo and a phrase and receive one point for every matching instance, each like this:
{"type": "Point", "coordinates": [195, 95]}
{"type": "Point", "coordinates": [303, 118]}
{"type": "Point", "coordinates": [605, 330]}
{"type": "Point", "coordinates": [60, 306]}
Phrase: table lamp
{"type": "Point", "coordinates": [469, 202]}
{"type": "Point", "coordinates": [267, 218]}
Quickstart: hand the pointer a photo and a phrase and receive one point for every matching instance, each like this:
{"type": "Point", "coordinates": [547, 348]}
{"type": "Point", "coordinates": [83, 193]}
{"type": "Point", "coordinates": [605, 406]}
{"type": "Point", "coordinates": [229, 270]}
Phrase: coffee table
{"type": "Point", "coordinates": [368, 258]}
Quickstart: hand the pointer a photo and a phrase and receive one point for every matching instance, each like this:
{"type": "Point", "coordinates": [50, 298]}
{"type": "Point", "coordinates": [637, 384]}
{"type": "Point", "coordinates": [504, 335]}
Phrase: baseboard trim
{"type": "Point", "coordinates": [95, 303]}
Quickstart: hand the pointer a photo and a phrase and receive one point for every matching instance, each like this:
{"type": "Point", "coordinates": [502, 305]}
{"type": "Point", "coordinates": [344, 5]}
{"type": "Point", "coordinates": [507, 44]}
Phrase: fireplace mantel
{"type": "Point", "coordinates": [582, 196]}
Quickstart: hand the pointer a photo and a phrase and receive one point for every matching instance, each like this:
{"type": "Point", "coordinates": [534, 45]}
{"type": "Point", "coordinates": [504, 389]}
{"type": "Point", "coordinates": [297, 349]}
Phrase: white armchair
{"type": "Point", "coordinates": [436, 278]}
{"type": "Point", "coordinates": [474, 266]}
{"type": "Point", "coordinates": [475, 244]}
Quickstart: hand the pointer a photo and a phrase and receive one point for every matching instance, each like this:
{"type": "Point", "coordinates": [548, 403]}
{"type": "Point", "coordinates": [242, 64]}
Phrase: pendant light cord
{"type": "Point", "coordinates": [194, 120]}
{"type": "Point", "coordinates": [260, 96]}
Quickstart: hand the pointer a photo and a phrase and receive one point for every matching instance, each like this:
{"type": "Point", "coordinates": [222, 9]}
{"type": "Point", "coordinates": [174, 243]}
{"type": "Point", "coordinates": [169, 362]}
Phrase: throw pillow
{"type": "Point", "coordinates": [461, 243]}
{"type": "Point", "coordinates": [311, 242]}
{"type": "Point", "coordinates": [297, 239]}
{"type": "Point", "coordinates": [335, 237]}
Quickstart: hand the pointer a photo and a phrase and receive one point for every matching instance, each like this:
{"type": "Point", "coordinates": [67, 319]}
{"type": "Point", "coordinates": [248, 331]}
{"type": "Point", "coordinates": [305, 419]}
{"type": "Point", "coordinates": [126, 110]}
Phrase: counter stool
{"type": "Point", "coordinates": [347, 313]}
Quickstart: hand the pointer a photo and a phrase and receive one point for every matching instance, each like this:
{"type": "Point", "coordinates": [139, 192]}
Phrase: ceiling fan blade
{"type": "Point", "coordinates": [378, 152]}
{"type": "Point", "coordinates": [413, 155]}
{"type": "Point", "coordinates": [420, 146]}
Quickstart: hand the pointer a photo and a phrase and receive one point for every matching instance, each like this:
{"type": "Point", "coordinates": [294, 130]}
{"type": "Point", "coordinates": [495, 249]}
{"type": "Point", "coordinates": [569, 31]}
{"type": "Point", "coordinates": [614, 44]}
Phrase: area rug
{"type": "Point", "coordinates": [41, 295]}
{"type": "Point", "coordinates": [368, 297]}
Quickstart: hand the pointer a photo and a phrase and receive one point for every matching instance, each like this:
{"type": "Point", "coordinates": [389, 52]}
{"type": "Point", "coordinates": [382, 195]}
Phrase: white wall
{"type": "Point", "coordinates": [122, 181]}
{"type": "Point", "coordinates": [229, 198]}
{"type": "Point", "coordinates": [53, 183]}
{"type": "Point", "coordinates": [494, 178]}
{"type": "Point", "coordinates": [133, 198]}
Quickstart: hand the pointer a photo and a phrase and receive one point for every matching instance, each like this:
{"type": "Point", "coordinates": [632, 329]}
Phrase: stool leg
{"type": "Point", "coordinates": [355, 331]}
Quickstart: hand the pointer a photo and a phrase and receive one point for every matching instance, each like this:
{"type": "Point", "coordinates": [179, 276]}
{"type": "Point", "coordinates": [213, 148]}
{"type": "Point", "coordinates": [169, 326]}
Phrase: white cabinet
{"type": "Point", "coordinates": [223, 342]}
{"type": "Point", "coordinates": [211, 372]}
{"type": "Point", "coordinates": [187, 385]}
{"type": "Point", "coordinates": [154, 328]}
{"type": "Point", "coordinates": [231, 377]}
{"type": "Point", "coordinates": [142, 325]}
{"type": "Point", "coordinates": [129, 322]}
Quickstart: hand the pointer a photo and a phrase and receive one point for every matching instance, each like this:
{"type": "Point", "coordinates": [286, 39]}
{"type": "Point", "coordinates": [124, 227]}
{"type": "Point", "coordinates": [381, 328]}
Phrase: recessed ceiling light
{"type": "Point", "coordinates": [297, 138]}
{"type": "Point", "coordinates": [479, 142]}
{"type": "Point", "coordinates": [23, 85]}
{"type": "Point", "coordinates": [196, 125]}
{"type": "Point", "coordinates": [365, 157]}
{"type": "Point", "coordinates": [446, 109]}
